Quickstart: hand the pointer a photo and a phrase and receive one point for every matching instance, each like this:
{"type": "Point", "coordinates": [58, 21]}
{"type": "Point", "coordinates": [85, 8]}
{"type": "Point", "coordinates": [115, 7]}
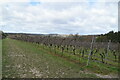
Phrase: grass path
{"type": "Point", "coordinates": [27, 60]}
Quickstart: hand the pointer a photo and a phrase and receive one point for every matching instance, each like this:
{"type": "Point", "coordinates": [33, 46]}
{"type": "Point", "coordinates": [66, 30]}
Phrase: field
{"type": "Point", "coordinates": [23, 59]}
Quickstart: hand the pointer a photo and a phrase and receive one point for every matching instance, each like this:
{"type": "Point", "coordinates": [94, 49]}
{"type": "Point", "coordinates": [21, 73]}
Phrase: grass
{"type": "Point", "coordinates": [28, 60]}
{"type": "Point", "coordinates": [96, 67]}
{"type": "Point", "coordinates": [93, 67]}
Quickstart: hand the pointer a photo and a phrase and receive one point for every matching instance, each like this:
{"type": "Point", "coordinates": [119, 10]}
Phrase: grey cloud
{"type": "Point", "coordinates": [61, 18]}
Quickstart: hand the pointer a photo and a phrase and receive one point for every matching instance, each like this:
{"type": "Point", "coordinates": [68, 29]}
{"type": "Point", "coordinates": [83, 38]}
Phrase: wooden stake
{"type": "Point", "coordinates": [90, 51]}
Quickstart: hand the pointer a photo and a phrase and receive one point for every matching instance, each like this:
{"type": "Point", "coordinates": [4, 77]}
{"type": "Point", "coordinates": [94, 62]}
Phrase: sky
{"type": "Point", "coordinates": [59, 16]}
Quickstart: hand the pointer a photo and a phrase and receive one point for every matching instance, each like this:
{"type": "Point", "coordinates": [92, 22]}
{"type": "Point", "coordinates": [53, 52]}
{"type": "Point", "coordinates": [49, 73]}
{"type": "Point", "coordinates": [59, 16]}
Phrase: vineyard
{"type": "Point", "coordinates": [60, 39]}
{"type": "Point", "coordinates": [105, 52]}
{"type": "Point", "coordinates": [96, 57]}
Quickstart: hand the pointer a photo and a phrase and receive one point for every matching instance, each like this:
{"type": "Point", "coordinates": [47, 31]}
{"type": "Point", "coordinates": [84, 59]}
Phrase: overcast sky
{"type": "Point", "coordinates": [83, 17]}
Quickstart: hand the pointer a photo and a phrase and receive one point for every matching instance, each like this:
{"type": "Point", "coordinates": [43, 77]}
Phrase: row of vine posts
{"type": "Point", "coordinates": [68, 43]}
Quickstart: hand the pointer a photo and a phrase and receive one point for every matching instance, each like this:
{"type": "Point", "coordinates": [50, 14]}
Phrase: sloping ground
{"type": "Point", "coordinates": [28, 60]}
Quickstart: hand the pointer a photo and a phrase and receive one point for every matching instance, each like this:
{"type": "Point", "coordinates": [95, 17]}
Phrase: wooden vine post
{"type": "Point", "coordinates": [108, 47]}
{"type": "Point", "coordinates": [90, 51]}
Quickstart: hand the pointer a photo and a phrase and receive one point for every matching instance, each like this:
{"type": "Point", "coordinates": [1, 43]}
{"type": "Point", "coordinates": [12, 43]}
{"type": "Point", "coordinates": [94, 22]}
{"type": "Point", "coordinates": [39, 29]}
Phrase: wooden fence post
{"type": "Point", "coordinates": [108, 47]}
{"type": "Point", "coordinates": [90, 51]}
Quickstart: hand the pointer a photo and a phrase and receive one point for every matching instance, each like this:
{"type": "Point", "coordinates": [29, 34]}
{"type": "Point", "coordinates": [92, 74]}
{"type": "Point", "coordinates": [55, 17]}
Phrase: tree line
{"type": "Point", "coordinates": [113, 36]}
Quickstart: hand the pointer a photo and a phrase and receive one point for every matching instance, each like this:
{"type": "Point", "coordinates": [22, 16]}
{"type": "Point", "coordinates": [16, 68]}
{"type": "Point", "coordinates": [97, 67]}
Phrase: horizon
{"type": "Point", "coordinates": [55, 33]}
